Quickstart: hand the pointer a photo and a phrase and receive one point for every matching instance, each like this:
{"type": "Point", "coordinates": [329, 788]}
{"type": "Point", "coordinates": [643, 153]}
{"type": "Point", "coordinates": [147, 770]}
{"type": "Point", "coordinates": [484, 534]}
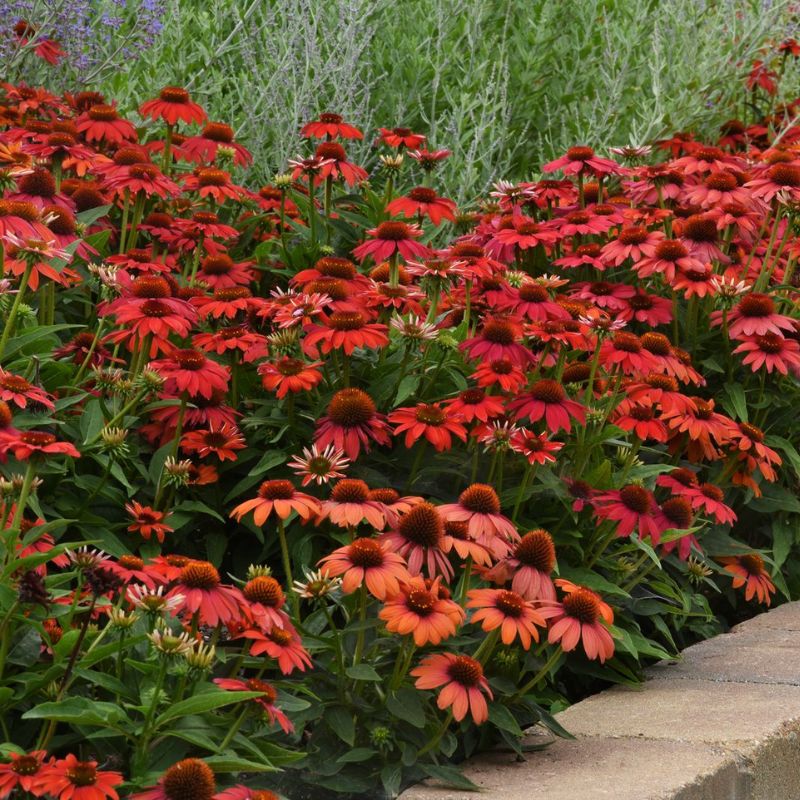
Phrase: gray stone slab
{"type": "Point", "coordinates": [766, 655]}
{"type": "Point", "coordinates": [599, 768]}
{"type": "Point", "coordinates": [687, 710]}
{"type": "Point", "coordinates": [785, 617]}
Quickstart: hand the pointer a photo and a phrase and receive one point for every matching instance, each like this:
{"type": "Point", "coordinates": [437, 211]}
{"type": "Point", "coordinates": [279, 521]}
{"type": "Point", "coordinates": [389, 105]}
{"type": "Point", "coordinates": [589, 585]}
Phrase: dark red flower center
{"type": "Point", "coordinates": [465, 671]}
{"type": "Point", "coordinates": [143, 171]}
{"type": "Point", "coordinates": [350, 490]}
{"type": "Point", "coordinates": [217, 265]}
{"type": "Point", "coordinates": [351, 408]}
{"type": "Point", "coordinates": [430, 414]}
{"type": "Point", "coordinates": [770, 343]}
{"type": "Point", "coordinates": [393, 231]}
{"type": "Point", "coordinates": [347, 321]}
{"type": "Point", "coordinates": [635, 235]}
{"type": "Point", "coordinates": [712, 492]}
{"type": "Point", "coordinates": [218, 132]}
{"type": "Point", "coordinates": [212, 177]}
{"type": "Point", "coordinates": [174, 94]}
{"type": "Point", "coordinates": [636, 498]}
{"type": "Point", "coordinates": [547, 390]}
{"type": "Point", "coordinates": [37, 438]}
{"type": "Point", "coordinates": [700, 228]}
{"type": "Point", "coordinates": [753, 563]}
{"type": "Point", "coordinates": [366, 553]}
{"type": "Point", "coordinates": [39, 183]}
{"type": "Point", "coordinates": [265, 590]}
{"type": "Point", "coordinates": [82, 773]}
{"type": "Point", "coordinates": [421, 602]}
{"type": "Point", "coordinates": [656, 343]}
{"type": "Point", "coordinates": [583, 605]}
{"type": "Point", "coordinates": [103, 113]}
{"type": "Point", "coordinates": [131, 562]}
{"type": "Point", "coordinates": [498, 332]}
{"type": "Point", "coordinates": [678, 510]}
{"type": "Point", "coordinates": [536, 549]}
{"type": "Point", "coordinates": [627, 342]}
{"type": "Point", "coordinates": [330, 119]}
{"type": "Point", "coordinates": [331, 150]}
{"type": "Point", "coordinates": [276, 490]}
{"type": "Point", "coordinates": [580, 153]}
{"type": "Point", "coordinates": [752, 432]}
{"type": "Point", "coordinates": [190, 779]}
{"type": "Point", "coordinates": [756, 305]}
{"type": "Point", "coordinates": [422, 525]}
{"type": "Point", "coordinates": [199, 575]}
{"type": "Point", "coordinates": [334, 267]}
{"type": "Point", "coordinates": [191, 360]}
{"type": "Point", "coordinates": [480, 498]}
{"type": "Point", "coordinates": [784, 174]}
{"type": "Point", "coordinates": [422, 194]}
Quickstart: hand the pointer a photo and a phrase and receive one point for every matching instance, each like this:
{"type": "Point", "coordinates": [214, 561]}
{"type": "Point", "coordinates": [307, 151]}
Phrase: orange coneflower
{"type": "Point", "coordinates": [347, 330]}
{"type": "Point", "coordinates": [547, 400]}
{"type": "Point", "coordinates": [103, 123]}
{"type": "Point", "coordinates": [463, 682]}
{"type": "Point", "coordinates": [266, 701]}
{"type": "Point", "coordinates": [22, 771]}
{"type": "Point", "coordinates": [350, 505]}
{"type": "Point", "coordinates": [278, 496]}
{"type": "Point", "coordinates": [509, 611]}
{"type": "Point", "coordinates": [367, 561]}
{"type": "Point", "coordinates": [190, 371]}
{"type": "Point", "coordinates": [282, 644]}
{"type": "Point", "coordinates": [147, 521]}
{"type": "Point", "coordinates": [479, 506]}
{"type": "Point", "coordinates": [424, 609]}
{"type": "Point", "coordinates": [289, 374]}
{"type": "Point", "coordinates": [430, 420]}
{"type": "Point", "coordinates": [266, 599]}
{"type": "Point", "coordinates": [748, 571]}
{"type": "Point", "coordinates": [580, 617]}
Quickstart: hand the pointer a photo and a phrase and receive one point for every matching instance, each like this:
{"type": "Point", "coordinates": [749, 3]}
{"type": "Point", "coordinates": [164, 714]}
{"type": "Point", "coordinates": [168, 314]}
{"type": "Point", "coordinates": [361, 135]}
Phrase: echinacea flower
{"type": "Point", "coordinates": [633, 508]}
{"type": "Point", "coordinates": [479, 506]}
{"type": "Point", "coordinates": [266, 701]}
{"type": "Point", "coordinates": [204, 594]}
{"type": "Point", "coordinates": [419, 537]}
{"type": "Point", "coordinates": [536, 447]}
{"type": "Point", "coordinates": [266, 599]}
{"type": "Point", "coordinates": [581, 160]}
{"type": "Point", "coordinates": [190, 777]}
{"type": "Point", "coordinates": [423, 609]}
{"type": "Point", "coordinates": [330, 126]}
{"type": "Point", "coordinates": [347, 330]}
{"type": "Point", "coordinates": [509, 611]}
{"type": "Point", "coordinates": [369, 562]}
{"type": "Point", "coordinates": [319, 466]}
{"type": "Point", "coordinates": [15, 389]}
{"type": "Point", "coordinates": [390, 238]}
{"type": "Point", "coordinates": [498, 339]}
{"type": "Point", "coordinates": [147, 521]}
{"type": "Point", "coordinates": [748, 571]}
{"type": "Point", "coordinates": [282, 644]}
{"type": "Point", "coordinates": [438, 425]}
{"type": "Point", "coordinates": [289, 374]}
{"type": "Point", "coordinates": [351, 423]}
{"type": "Point", "coordinates": [28, 444]}
{"type": "Point", "coordinates": [582, 616]}
{"type": "Point", "coordinates": [71, 779]}
{"type": "Point", "coordinates": [279, 497]}
{"type": "Point", "coordinates": [422, 201]}
{"type": "Point", "coordinates": [222, 441]}
{"type": "Point", "coordinates": [529, 565]}
{"type": "Point", "coordinates": [463, 684]}
{"type": "Point", "coordinates": [173, 104]}
{"type": "Point", "coordinates": [401, 138]}
{"type": "Point", "coordinates": [547, 400]}
{"type": "Point", "coordinates": [191, 371]}
{"type": "Point", "coordinates": [350, 505]}
{"type": "Point", "coordinates": [21, 772]}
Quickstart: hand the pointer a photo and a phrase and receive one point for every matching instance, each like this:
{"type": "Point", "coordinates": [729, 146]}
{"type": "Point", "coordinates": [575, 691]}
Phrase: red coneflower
{"type": "Point", "coordinates": [624, 351]}
{"type": "Point", "coordinates": [771, 351]}
{"type": "Point", "coordinates": [748, 571]}
{"type": "Point", "coordinates": [349, 505]}
{"type": "Point", "coordinates": [669, 256]}
{"type": "Point", "coordinates": [214, 183]}
{"type": "Point", "coordinates": [678, 513]}
{"type": "Point", "coordinates": [223, 442]}
{"type": "Point", "coordinates": [71, 779]}
{"type": "Point", "coordinates": [640, 418]}
{"type": "Point", "coordinates": [509, 611]}
{"type": "Point", "coordinates": [472, 404]}
{"type": "Point", "coordinates": [498, 340]}
{"type": "Point", "coordinates": [463, 682]}
{"type": "Point", "coordinates": [102, 123]}
{"type": "Point", "coordinates": [289, 374]}
{"type": "Point", "coordinates": [190, 371]}
{"type": "Point", "coordinates": [266, 599]}
{"type": "Point", "coordinates": [778, 179]}
{"type": "Point", "coordinates": [347, 330]}
{"type": "Point", "coordinates": [330, 126]}
{"type": "Point", "coordinates": [28, 444]}
{"type": "Point", "coordinates": [147, 521]}
{"type": "Point", "coordinates": [203, 593]}
{"type": "Point", "coordinates": [401, 138]}
{"type": "Point", "coordinates": [335, 165]}
{"type": "Point", "coordinates": [173, 104]}
{"type": "Point", "coordinates": [352, 422]}
{"type": "Point", "coordinates": [22, 771]}
{"type": "Point", "coordinates": [704, 426]}
{"type": "Point", "coordinates": [581, 160]}
{"type": "Point", "coordinates": [580, 617]}
{"type": "Point", "coordinates": [390, 238]}
{"type": "Point", "coordinates": [633, 507]}
{"type": "Point", "coordinates": [754, 315]}
{"type": "Point", "coordinates": [635, 243]}
{"type": "Point", "coordinates": [15, 389]}
{"type": "Point", "coordinates": [267, 700]}
{"type": "Point", "coordinates": [502, 372]}
{"type": "Point", "coordinates": [204, 148]}
{"type": "Point", "coordinates": [424, 609]}
{"type": "Point", "coordinates": [430, 420]}
{"type": "Point", "coordinates": [547, 400]}
{"type": "Point", "coordinates": [190, 777]}
{"type": "Point", "coordinates": [367, 561]}
{"type": "Point", "coordinates": [710, 499]}
{"type": "Point", "coordinates": [423, 202]}
{"type": "Point", "coordinates": [536, 447]}
{"type": "Point", "coordinates": [280, 497]}
{"type": "Point", "coordinates": [531, 563]}
{"type": "Point", "coordinates": [282, 644]}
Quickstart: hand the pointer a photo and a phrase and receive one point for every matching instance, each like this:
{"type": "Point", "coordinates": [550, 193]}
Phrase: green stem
{"type": "Point", "coordinates": [362, 630]}
{"type": "Point", "coordinates": [287, 568]}
{"type": "Point", "coordinates": [542, 673]}
{"type": "Point", "coordinates": [19, 510]}
{"type": "Point", "coordinates": [12, 316]}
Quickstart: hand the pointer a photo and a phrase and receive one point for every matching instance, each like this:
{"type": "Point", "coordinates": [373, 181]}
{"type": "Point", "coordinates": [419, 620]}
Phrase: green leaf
{"type": "Point", "coordinates": [406, 704]}
{"type": "Point", "coordinates": [200, 703]}
{"type": "Point", "coordinates": [502, 717]}
{"type": "Point", "coordinates": [340, 721]}
{"type": "Point", "coordinates": [783, 537]}
{"type": "Point", "coordinates": [736, 400]}
{"type": "Point", "coordinates": [362, 672]}
{"type": "Point", "coordinates": [79, 711]}
{"type": "Point", "coordinates": [92, 215]}
{"type": "Point", "coordinates": [234, 764]}
{"type": "Point", "coordinates": [585, 577]}
{"type": "Point", "coordinates": [355, 755]}
{"type": "Point", "coordinates": [391, 776]}
{"type": "Point", "coordinates": [451, 777]}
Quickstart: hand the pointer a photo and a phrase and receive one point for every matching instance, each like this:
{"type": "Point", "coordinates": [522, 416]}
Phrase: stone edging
{"type": "Point", "coordinates": [723, 723]}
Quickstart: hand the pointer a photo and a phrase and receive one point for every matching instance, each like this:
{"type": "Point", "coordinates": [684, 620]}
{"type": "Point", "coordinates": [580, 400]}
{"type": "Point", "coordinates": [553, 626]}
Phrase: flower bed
{"type": "Point", "coordinates": [335, 478]}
